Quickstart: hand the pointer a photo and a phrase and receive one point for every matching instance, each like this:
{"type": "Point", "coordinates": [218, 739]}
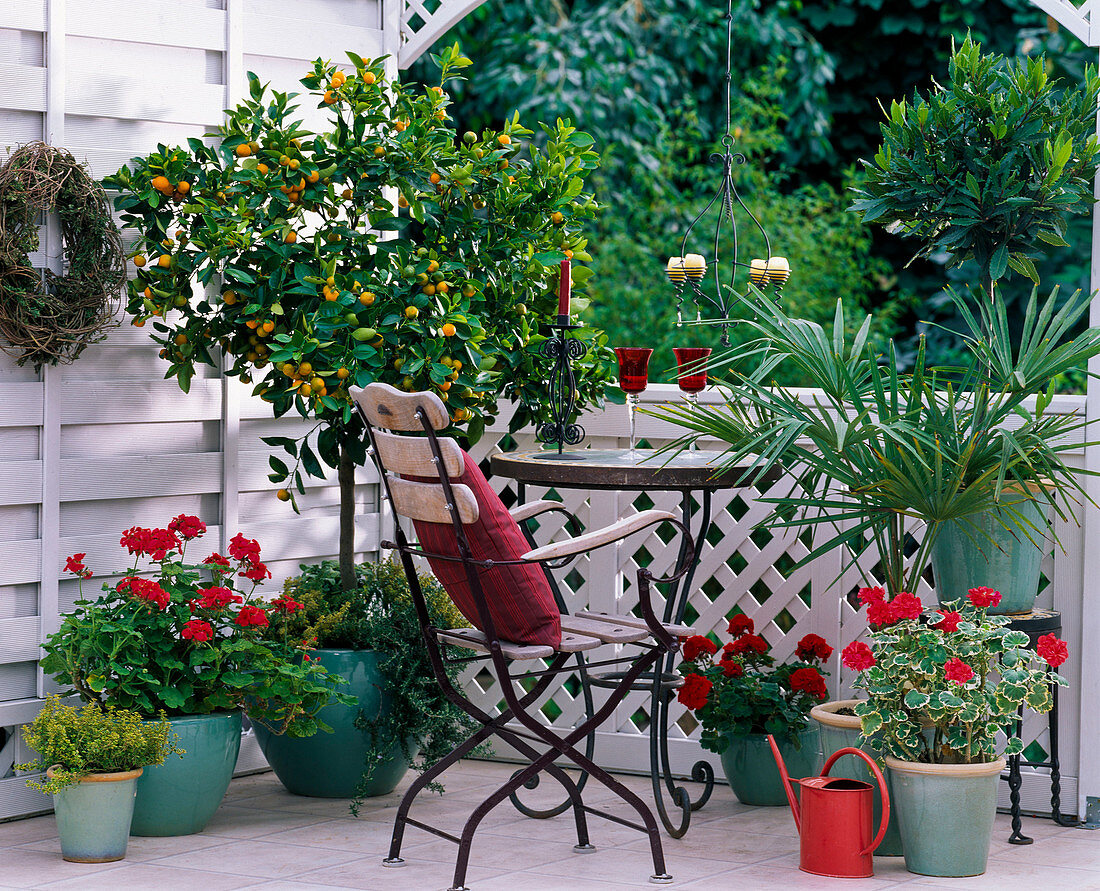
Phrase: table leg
{"type": "Point", "coordinates": [661, 698]}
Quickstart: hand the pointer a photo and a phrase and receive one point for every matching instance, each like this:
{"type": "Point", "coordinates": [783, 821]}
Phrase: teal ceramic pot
{"type": "Point", "coordinates": [945, 812]}
{"type": "Point", "coordinates": [93, 816]}
{"type": "Point", "coordinates": [751, 770]}
{"type": "Point", "coordinates": [180, 796]}
{"type": "Point", "coordinates": [1009, 564]}
{"type": "Point", "coordinates": [842, 731]}
{"type": "Point", "coordinates": [330, 765]}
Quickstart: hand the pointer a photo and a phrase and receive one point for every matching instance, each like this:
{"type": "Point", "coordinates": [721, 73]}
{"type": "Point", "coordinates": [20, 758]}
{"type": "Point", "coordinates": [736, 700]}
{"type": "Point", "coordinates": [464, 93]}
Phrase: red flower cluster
{"type": "Point", "coordinates": [694, 692]}
{"type": "Point", "coordinates": [145, 589]}
{"type": "Point", "coordinates": [187, 527]}
{"type": "Point", "coordinates": [245, 550]}
{"type": "Point", "coordinates": [949, 622]}
{"type": "Point", "coordinates": [152, 543]}
{"type": "Point", "coordinates": [1052, 650]}
{"type": "Point", "coordinates": [881, 611]}
{"type": "Point", "coordinates": [983, 598]}
{"type": "Point", "coordinates": [197, 630]}
{"type": "Point", "coordinates": [809, 680]}
{"type": "Point", "coordinates": [696, 645]}
{"type": "Point", "coordinates": [749, 643]}
{"type": "Point", "coordinates": [251, 615]}
{"type": "Point", "coordinates": [741, 624]}
{"type": "Point", "coordinates": [218, 562]}
{"type": "Point", "coordinates": [857, 656]}
{"type": "Point", "coordinates": [285, 604]}
{"type": "Point", "coordinates": [813, 648]}
{"type": "Point", "coordinates": [75, 565]}
{"type": "Point", "coordinates": [958, 671]}
{"type": "Point", "coordinates": [731, 668]}
{"type": "Point", "coordinates": [257, 572]}
{"type": "Point", "coordinates": [215, 598]}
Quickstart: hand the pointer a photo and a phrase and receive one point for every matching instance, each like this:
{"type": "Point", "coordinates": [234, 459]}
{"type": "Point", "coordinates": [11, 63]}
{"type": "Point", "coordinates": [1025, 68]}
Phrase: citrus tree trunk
{"type": "Point", "coordinates": [346, 477]}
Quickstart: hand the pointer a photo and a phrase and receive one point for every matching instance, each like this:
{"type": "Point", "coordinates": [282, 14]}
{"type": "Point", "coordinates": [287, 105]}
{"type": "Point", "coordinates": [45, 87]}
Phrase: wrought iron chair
{"type": "Point", "coordinates": [404, 462]}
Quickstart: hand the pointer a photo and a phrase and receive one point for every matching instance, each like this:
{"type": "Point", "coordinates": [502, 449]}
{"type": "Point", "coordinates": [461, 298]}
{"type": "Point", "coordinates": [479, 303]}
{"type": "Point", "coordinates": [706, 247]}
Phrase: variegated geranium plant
{"type": "Point", "coordinates": [941, 683]}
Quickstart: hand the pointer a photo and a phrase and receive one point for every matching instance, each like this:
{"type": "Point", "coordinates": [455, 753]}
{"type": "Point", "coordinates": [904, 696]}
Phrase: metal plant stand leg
{"type": "Point", "coordinates": [1056, 767]}
{"type": "Point", "coordinates": [1014, 782]}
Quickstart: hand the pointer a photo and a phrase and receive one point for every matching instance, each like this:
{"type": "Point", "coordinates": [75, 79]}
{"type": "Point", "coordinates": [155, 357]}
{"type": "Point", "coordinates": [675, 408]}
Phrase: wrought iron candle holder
{"type": "Point", "coordinates": [563, 350]}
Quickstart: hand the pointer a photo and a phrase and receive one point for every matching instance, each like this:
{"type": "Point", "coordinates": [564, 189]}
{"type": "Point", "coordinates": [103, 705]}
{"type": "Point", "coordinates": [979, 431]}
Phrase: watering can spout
{"type": "Point", "coordinates": [787, 787]}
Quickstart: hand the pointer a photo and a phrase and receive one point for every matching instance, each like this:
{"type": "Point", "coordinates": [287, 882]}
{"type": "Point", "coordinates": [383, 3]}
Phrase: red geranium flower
{"type": "Point", "coordinates": [813, 647]}
{"type": "Point", "coordinates": [871, 595]}
{"type": "Point", "coordinates": [696, 645]}
{"type": "Point", "coordinates": [216, 598]}
{"type": "Point", "coordinates": [810, 680]}
{"type": "Point", "coordinates": [749, 643]}
{"type": "Point", "coordinates": [217, 561]}
{"type": "Point", "coordinates": [75, 565]}
{"type": "Point", "coordinates": [949, 622]}
{"type": "Point", "coordinates": [257, 572]}
{"type": "Point", "coordinates": [244, 550]}
{"type": "Point", "coordinates": [880, 612]}
{"type": "Point", "coordinates": [857, 656]}
{"type": "Point", "coordinates": [187, 527]}
{"type": "Point", "coordinates": [1052, 650]}
{"type": "Point", "coordinates": [197, 630]}
{"type": "Point", "coordinates": [286, 605]}
{"type": "Point", "coordinates": [731, 668]}
{"type": "Point", "coordinates": [147, 590]}
{"type": "Point", "coordinates": [741, 624]}
{"type": "Point", "coordinates": [906, 606]}
{"type": "Point", "coordinates": [251, 615]}
{"type": "Point", "coordinates": [958, 671]}
{"type": "Point", "coordinates": [983, 597]}
{"type": "Point", "coordinates": [694, 692]}
{"type": "Point", "coordinates": [152, 543]}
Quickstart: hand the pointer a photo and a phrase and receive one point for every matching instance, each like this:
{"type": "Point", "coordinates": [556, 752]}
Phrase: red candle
{"type": "Point", "coordinates": [563, 289]}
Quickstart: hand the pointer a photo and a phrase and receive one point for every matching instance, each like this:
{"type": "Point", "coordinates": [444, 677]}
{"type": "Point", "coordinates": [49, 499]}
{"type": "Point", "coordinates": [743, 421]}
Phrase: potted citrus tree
{"type": "Point", "coordinates": [740, 694]}
{"type": "Point", "coordinates": [93, 757]}
{"type": "Point", "coordinates": [187, 643]}
{"type": "Point", "coordinates": [371, 637]}
{"type": "Point", "coordinates": [941, 685]}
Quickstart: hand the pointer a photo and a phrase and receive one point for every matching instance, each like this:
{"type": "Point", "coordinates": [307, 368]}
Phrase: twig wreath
{"type": "Point", "coordinates": [51, 322]}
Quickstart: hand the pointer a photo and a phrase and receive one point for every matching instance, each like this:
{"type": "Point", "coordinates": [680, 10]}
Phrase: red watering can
{"type": "Point", "coordinates": [834, 822]}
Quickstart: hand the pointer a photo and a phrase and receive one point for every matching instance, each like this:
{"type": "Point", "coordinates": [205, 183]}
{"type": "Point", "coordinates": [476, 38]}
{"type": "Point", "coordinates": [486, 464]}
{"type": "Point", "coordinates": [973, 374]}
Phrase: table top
{"type": "Point", "coordinates": [618, 469]}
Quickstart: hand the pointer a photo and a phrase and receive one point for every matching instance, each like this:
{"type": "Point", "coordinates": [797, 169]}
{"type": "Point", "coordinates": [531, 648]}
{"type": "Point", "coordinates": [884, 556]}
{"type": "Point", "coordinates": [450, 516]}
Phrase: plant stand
{"type": "Point", "coordinates": [1039, 622]}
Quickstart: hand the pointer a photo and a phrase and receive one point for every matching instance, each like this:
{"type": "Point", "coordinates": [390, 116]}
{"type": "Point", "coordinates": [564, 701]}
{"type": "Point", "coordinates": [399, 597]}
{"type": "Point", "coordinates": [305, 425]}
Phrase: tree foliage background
{"type": "Point", "coordinates": [645, 77]}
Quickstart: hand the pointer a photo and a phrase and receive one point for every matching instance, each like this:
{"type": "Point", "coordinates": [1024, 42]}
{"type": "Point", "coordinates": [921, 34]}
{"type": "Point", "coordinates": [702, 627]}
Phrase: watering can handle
{"type": "Point", "coordinates": [787, 787]}
{"type": "Point", "coordinates": [879, 778]}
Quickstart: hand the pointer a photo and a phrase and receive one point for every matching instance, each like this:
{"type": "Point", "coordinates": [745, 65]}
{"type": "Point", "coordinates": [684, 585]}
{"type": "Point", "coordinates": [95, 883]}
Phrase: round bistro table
{"type": "Point", "coordinates": [689, 473]}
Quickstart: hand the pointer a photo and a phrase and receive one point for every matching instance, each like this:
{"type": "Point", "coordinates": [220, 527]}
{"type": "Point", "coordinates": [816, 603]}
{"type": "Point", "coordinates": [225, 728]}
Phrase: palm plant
{"type": "Point", "coordinates": [873, 447]}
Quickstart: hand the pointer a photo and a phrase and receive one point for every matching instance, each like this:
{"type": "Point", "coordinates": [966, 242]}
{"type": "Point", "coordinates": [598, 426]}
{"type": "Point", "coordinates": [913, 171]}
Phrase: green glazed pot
{"type": "Point", "coordinates": [330, 765]}
{"type": "Point", "coordinates": [946, 814]}
{"type": "Point", "coordinates": [180, 796]}
{"type": "Point", "coordinates": [1009, 564]}
{"type": "Point", "coordinates": [93, 816]}
{"type": "Point", "coordinates": [842, 731]}
{"type": "Point", "coordinates": [751, 770]}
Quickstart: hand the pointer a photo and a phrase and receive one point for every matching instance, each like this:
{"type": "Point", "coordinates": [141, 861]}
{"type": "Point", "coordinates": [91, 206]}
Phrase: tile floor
{"type": "Point", "coordinates": [263, 837]}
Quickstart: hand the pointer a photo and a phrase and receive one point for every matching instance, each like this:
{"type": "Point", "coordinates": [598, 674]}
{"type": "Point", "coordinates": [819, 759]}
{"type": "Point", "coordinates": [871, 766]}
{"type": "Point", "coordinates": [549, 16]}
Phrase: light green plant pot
{"type": "Point", "coordinates": [93, 816]}
{"type": "Point", "coordinates": [842, 731]}
{"type": "Point", "coordinates": [751, 770]}
{"type": "Point", "coordinates": [180, 796]}
{"type": "Point", "coordinates": [945, 812]}
{"type": "Point", "coordinates": [330, 765]}
{"type": "Point", "coordinates": [1009, 564]}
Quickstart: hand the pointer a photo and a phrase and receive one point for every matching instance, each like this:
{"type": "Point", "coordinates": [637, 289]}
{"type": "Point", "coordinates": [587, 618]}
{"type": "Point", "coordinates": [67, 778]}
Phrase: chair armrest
{"type": "Point", "coordinates": [599, 537]}
{"type": "Point", "coordinates": [531, 509]}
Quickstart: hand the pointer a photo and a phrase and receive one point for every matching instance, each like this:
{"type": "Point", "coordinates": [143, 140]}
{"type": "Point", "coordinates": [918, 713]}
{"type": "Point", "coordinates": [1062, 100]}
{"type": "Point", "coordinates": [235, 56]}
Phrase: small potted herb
{"type": "Point", "coordinates": [93, 757]}
{"type": "Point", "coordinates": [941, 685]}
{"type": "Point", "coordinates": [740, 695]}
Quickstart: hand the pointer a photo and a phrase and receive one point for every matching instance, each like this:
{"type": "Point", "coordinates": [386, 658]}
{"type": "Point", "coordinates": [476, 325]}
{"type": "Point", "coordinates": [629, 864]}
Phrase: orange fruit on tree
{"type": "Point", "coordinates": [457, 365]}
{"type": "Point", "coordinates": [330, 97]}
{"type": "Point", "coordinates": [230, 297]}
{"type": "Point", "coordinates": [291, 237]}
{"type": "Point", "coordinates": [294, 164]}
{"type": "Point", "coordinates": [283, 495]}
{"type": "Point", "coordinates": [369, 77]}
{"type": "Point", "coordinates": [402, 201]}
{"type": "Point", "coordinates": [268, 326]}
{"type": "Point", "coordinates": [317, 383]}
{"type": "Point", "coordinates": [180, 339]}
{"type": "Point", "coordinates": [139, 323]}
{"type": "Point", "coordinates": [342, 373]}
{"type": "Point", "coordinates": [305, 390]}
{"type": "Point", "coordinates": [442, 288]}
{"type": "Point", "coordinates": [557, 217]}
{"type": "Point", "coordinates": [568, 253]}
{"type": "Point", "coordinates": [435, 178]}
{"type": "Point", "coordinates": [313, 176]}
{"type": "Point", "coordinates": [504, 139]}
{"type": "Point", "coordinates": [147, 294]}
{"type": "Point", "coordinates": [263, 168]}
{"type": "Point", "coordinates": [449, 330]}
{"type": "Point", "coordinates": [346, 194]}
{"type": "Point", "coordinates": [411, 312]}
{"type": "Point", "coordinates": [183, 187]}
{"type": "Point", "coordinates": [428, 289]}
{"type": "Point", "coordinates": [433, 266]}
{"type": "Point", "coordinates": [243, 150]}
{"type": "Point", "coordinates": [445, 386]}
{"type": "Point", "coordinates": [161, 184]}
{"type": "Point", "coordinates": [379, 152]}
{"type": "Point", "coordinates": [139, 261]}
{"type": "Point", "coordinates": [366, 298]}
{"type": "Point", "coordinates": [305, 369]}
{"type": "Point", "coordinates": [164, 261]}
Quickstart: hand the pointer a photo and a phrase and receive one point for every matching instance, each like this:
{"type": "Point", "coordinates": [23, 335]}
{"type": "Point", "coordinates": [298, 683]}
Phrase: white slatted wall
{"type": "Point", "coordinates": [90, 449]}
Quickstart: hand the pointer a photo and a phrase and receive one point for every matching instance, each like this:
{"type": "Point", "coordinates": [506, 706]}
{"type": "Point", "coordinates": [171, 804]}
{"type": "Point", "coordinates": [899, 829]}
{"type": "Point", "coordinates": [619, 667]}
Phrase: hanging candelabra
{"type": "Point", "coordinates": [686, 271]}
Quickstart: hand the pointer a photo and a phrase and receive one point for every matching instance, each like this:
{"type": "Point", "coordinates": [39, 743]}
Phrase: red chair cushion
{"type": "Point", "coordinates": [519, 597]}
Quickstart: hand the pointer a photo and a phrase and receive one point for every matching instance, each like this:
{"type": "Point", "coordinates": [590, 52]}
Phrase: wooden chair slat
{"type": "Point", "coordinates": [575, 643]}
{"type": "Point", "coordinates": [392, 409]}
{"type": "Point", "coordinates": [472, 639]}
{"type": "Point", "coordinates": [607, 631]}
{"type": "Point", "coordinates": [412, 456]}
{"type": "Point", "coordinates": [635, 622]}
{"type": "Point", "coordinates": [426, 501]}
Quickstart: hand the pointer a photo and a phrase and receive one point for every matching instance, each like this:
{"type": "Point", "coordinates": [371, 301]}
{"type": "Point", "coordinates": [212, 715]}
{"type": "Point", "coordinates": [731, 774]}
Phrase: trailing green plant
{"type": "Point", "coordinates": [385, 247]}
{"type": "Point", "coordinates": [875, 447]}
{"type": "Point", "coordinates": [740, 689]}
{"type": "Point", "coordinates": [74, 742]}
{"type": "Point", "coordinates": [943, 683]}
{"type": "Point", "coordinates": [379, 614]}
{"type": "Point", "coordinates": [988, 165]}
{"type": "Point", "coordinates": [188, 641]}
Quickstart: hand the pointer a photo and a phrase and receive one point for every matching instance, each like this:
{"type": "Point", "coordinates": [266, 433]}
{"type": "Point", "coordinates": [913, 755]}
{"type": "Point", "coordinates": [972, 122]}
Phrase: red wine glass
{"type": "Point", "coordinates": [691, 374]}
{"type": "Point", "coordinates": [633, 378]}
